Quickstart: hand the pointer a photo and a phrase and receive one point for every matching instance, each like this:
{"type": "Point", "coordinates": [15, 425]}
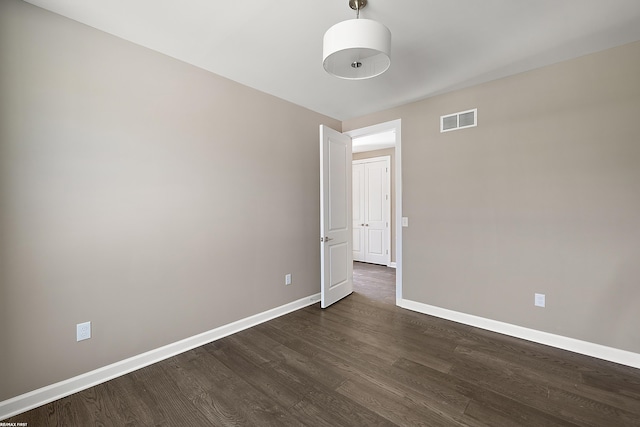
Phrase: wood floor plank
{"type": "Point", "coordinates": [441, 398]}
{"type": "Point", "coordinates": [248, 405]}
{"type": "Point", "coordinates": [485, 404]}
{"type": "Point", "coordinates": [100, 406]}
{"type": "Point", "coordinates": [381, 334]}
{"type": "Point", "coordinates": [398, 409]}
{"type": "Point", "coordinates": [514, 382]}
{"type": "Point", "coordinates": [193, 385]}
{"type": "Point", "coordinates": [121, 392]}
{"type": "Point", "coordinates": [624, 383]}
{"type": "Point", "coordinates": [297, 364]}
{"type": "Point", "coordinates": [362, 361]}
{"type": "Point", "coordinates": [157, 390]}
{"type": "Point", "coordinates": [503, 412]}
{"type": "Point", "coordinates": [287, 386]}
{"type": "Point", "coordinates": [283, 391]}
{"type": "Point", "coordinates": [560, 377]}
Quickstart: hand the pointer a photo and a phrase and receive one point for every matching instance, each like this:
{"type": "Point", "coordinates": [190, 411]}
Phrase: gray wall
{"type": "Point", "coordinates": [543, 196]}
{"type": "Point", "coordinates": [145, 195]}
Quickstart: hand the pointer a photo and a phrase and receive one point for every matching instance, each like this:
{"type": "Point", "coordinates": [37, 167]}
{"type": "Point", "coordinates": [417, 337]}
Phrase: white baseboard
{"type": "Point", "coordinates": [611, 354]}
{"type": "Point", "coordinates": [44, 395]}
{"type": "Point", "coordinates": [391, 265]}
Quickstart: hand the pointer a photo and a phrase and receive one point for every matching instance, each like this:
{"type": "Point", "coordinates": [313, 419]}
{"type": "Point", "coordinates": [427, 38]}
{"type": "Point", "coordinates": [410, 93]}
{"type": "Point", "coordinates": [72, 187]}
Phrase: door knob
{"type": "Point", "coordinates": [366, 225]}
{"type": "Point", "coordinates": [325, 239]}
{"type": "Point", "coordinates": [362, 225]}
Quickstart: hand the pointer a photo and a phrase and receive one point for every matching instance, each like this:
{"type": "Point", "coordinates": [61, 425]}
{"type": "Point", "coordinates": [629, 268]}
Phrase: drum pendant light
{"type": "Point", "coordinates": [358, 48]}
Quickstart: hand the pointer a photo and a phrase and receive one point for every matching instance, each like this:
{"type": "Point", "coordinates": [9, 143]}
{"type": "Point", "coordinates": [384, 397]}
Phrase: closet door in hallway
{"type": "Point", "coordinates": [371, 210]}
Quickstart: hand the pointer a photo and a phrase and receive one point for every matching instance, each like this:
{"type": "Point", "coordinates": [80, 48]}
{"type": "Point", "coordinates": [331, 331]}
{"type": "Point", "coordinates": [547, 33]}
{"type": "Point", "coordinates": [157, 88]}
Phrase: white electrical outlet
{"type": "Point", "coordinates": [539, 300]}
{"type": "Point", "coordinates": [405, 221]}
{"type": "Point", "coordinates": [83, 331]}
{"type": "Point", "coordinates": [287, 279]}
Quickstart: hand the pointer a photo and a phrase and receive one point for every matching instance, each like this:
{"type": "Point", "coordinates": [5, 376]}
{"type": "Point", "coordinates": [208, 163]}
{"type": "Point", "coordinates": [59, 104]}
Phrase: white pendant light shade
{"type": "Point", "coordinates": [357, 49]}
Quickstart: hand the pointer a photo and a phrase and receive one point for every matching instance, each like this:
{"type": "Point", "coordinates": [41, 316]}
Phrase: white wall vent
{"type": "Point", "coordinates": [461, 120]}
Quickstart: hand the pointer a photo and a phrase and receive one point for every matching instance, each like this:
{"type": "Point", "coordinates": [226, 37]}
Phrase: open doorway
{"type": "Point", "coordinates": [381, 140]}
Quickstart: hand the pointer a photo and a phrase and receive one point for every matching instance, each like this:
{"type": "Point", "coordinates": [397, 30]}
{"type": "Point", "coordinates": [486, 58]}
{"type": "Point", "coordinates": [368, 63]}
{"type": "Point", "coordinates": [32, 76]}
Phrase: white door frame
{"type": "Point", "coordinates": [393, 125]}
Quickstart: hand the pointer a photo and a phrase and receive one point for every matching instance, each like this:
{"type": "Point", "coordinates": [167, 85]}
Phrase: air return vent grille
{"type": "Point", "coordinates": [461, 120]}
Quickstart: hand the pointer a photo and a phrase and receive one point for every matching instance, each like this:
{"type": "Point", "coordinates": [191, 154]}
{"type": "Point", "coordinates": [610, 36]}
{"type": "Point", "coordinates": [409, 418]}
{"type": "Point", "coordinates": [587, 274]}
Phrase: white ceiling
{"type": "Point", "coordinates": [437, 45]}
{"type": "Point", "coordinates": [374, 141]}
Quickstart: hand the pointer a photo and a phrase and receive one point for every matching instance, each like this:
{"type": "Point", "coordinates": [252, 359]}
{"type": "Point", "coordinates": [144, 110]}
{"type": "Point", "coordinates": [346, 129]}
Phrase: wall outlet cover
{"type": "Point", "coordinates": [83, 331]}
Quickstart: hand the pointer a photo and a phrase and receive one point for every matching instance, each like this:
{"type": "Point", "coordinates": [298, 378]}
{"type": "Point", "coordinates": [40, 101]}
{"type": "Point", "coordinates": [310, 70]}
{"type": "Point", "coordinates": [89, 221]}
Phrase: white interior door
{"type": "Point", "coordinates": [335, 216]}
{"type": "Point", "coordinates": [371, 210]}
{"type": "Point", "coordinates": [376, 224]}
{"type": "Point", "coordinates": [358, 186]}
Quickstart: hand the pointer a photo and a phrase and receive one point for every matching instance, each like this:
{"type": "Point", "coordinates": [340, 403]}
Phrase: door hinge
{"type": "Point", "coordinates": [387, 251]}
{"type": "Point", "coordinates": [386, 170]}
{"type": "Point", "coordinates": [386, 197]}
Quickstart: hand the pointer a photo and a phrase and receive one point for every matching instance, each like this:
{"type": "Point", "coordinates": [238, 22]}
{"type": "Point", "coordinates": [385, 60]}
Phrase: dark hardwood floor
{"type": "Point", "coordinates": [361, 362]}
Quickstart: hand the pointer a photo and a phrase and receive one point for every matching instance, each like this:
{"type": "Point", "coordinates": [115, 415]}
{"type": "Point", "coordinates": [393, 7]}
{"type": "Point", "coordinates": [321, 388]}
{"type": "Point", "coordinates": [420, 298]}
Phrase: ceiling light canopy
{"type": "Point", "coordinates": [358, 48]}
